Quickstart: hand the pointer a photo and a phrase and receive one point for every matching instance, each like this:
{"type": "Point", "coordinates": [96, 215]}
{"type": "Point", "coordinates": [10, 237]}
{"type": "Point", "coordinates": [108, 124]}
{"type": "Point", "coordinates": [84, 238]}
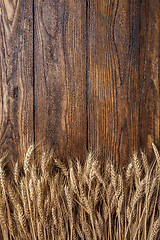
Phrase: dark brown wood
{"type": "Point", "coordinates": [123, 107]}
{"type": "Point", "coordinates": [95, 79]}
{"type": "Point", "coordinates": [149, 123]}
{"type": "Point", "coordinates": [16, 76]}
{"type": "Point", "coordinates": [60, 75]}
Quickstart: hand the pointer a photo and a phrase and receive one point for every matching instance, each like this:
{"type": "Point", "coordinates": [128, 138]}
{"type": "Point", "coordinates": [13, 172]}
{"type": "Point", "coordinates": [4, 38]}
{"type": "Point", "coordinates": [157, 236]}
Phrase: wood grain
{"type": "Point", "coordinates": [60, 75]}
{"type": "Point", "coordinates": [16, 76]}
{"type": "Point", "coordinates": [123, 106]}
{"type": "Point", "coordinates": [80, 75]}
{"type": "Point", "coordinates": [149, 74]}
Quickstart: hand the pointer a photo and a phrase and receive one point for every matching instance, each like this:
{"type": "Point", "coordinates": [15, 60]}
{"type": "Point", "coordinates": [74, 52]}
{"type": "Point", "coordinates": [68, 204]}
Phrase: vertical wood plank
{"type": "Point", "coordinates": [123, 106]}
{"type": "Point", "coordinates": [150, 74]}
{"type": "Point", "coordinates": [60, 75]}
{"type": "Point", "coordinates": [16, 71]}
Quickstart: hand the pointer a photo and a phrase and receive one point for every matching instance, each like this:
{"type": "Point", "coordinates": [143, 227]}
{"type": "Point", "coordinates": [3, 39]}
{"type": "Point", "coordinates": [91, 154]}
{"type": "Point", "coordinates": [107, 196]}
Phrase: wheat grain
{"type": "Point", "coordinates": [24, 198]}
{"type": "Point", "coordinates": [113, 177]}
{"type": "Point", "coordinates": [32, 190]}
{"type": "Point", "coordinates": [99, 178]}
{"type": "Point", "coordinates": [22, 220]}
{"type": "Point", "coordinates": [145, 162]}
{"type": "Point", "coordinates": [61, 166]}
{"type": "Point", "coordinates": [73, 181]}
{"type": "Point", "coordinates": [40, 230]}
{"type": "Point", "coordinates": [100, 221]}
{"type": "Point", "coordinates": [27, 159]}
{"type": "Point", "coordinates": [79, 169]}
{"type": "Point", "coordinates": [105, 211]}
{"type": "Point", "coordinates": [155, 229]}
{"type": "Point", "coordinates": [40, 199]}
{"type": "Point", "coordinates": [3, 213]}
{"type": "Point", "coordinates": [156, 154]}
{"type": "Point", "coordinates": [97, 229]}
{"type": "Point", "coordinates": [16, 172]}
{"type": "Point", "coordinates": [119, 186]}
{"type": "Point", "coordinates": [109, 193]}
{"type": "Point", "coordinates": [137, 167]}
{"type": "Point", "coordinates": [43, 162]}
{"type": "Point", "coordinates": [86, 229]}
{"type": "Point", "coordinates": [12, 227]}
{"type": "Point", "coordinates": [47, 211]}
{"type": "Point", "coordinates": [129, 171]}
{"type": "Point", "coordinates": [79, 231]}
{"type": "Point", "coordinates": [138, 194]}
{"type": "Point", "coordinates": [13, 195]}
{"type": "Point", "coordinates": [3, 181]}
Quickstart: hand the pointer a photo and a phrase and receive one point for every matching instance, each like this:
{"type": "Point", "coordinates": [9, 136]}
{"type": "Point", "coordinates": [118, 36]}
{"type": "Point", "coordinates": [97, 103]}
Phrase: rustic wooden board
{"type": "Point", "coordinates": [123, 95]}
{"type": "Point", "coordinates": [90, 79]}
{"type": "Point", "coordinates": [60, 75]}
{"type": "Point", "coordinates": [149, 105]}
{"type": "Point", "coordinates": [16, 76]}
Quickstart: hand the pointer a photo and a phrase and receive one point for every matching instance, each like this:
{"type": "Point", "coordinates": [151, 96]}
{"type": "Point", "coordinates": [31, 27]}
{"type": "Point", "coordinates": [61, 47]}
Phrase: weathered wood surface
{"type": "Point", "coordinates": [60, 75]}
{"type": "Point", "coordinates": [91, 81]}
{"type": "Point", "coordinates": [149, 74]}
{"type": "Point", "coordinates": [124, 76]}
{"type": "Point", "coordinates": [16, 76]}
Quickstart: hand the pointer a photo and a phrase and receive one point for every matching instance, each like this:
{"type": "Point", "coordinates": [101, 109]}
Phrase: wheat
{"type": "Point", "coordinates": [24, 198]}
{"type": "Point", "coordinates": [47, 213]}
{"type": "Point", "coordinates": [3, 180]}
{"type": "Point", "coordinates": [69, 198]}
{"type": "Point", "coordinates": [138, 194]}
{"type": "Point", "coordinates": [3, 213]}
{"type": "Point", "coordinates": [137, 167]}
{"type": "Point", "coordinates": [73, 180]}
{"type": "Point", "coordinates": [40, 230]}
{"type": "Point", "coordinates": [27, 159]}
{"type": "Point", "coordinates": [155, 229]}
{"type": "Point", "coordinates": [156, 154]}
{"type": "Point", "coordinates": [79, 231]}
{"type": "Point", "coordinates": [79, 167]}
{"type": "Point", "coordinates": [40, 200]}
{"type": "Point", "coordinates": [86, 229]}
{"type": "Point", "coordinates": [32, 190]}
{"type": "Point", "coordinates": [56, 200]}
{"type": "Point", "coordinates": [129, 171]}
{"type": "Point", "coordinates": [61, 166]}
{"type": "Point", "coordinates": [97, 228]}
{"type": "Point", "coordinates": [12, 227]}
{"type": "Point", "coordinates": [16, 172]}
{"type": "Point", "coordinates": [113, 177]}
{"type": "Point", "coordinates": [119, 186]}
{"type": "Point", "coordinates": [22, 219]}
{"type": "Point", "coordinates": [145, 162]}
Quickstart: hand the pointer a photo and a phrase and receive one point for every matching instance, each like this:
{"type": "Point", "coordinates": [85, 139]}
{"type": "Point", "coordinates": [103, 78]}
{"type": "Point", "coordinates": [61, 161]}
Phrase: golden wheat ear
{"type": "Point", "coordinates": [156, 154]}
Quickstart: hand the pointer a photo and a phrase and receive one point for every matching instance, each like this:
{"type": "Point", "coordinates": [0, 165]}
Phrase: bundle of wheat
{"type": "Point", "coordinates": [52, 200]}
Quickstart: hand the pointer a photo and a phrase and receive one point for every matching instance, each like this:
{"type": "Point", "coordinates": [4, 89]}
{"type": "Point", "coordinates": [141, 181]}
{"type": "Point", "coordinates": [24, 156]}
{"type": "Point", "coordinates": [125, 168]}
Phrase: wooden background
{"type": "Point", "coordinates": [81, 75]}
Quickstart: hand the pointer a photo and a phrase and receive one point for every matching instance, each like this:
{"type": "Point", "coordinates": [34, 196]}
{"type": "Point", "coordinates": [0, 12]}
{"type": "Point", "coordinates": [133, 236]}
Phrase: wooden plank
{"type": "Point", "coordinates": [60, 75]}
{"type": "Point", "coordinates": [150, 74]}
{"type": "Point", "coordinates": [16, 71]}
{"type": "Point", "coordinates": [123, 116]}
